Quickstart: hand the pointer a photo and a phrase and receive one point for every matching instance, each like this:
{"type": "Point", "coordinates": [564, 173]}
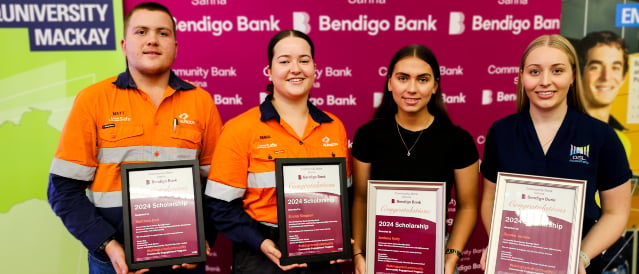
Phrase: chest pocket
{"type": "Point", "coordinates": [187, 134]}
{"type": "Point", "coordinates": [120, 135]}
{"type": "Point", "coordinates": [264, 155]}
{"type": "Point", "coordinates": [263, 159]}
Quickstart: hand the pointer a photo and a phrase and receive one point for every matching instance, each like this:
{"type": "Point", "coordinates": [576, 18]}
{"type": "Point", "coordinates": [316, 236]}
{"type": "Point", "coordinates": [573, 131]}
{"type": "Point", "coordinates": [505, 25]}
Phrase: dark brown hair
{"type": "Point", "coordinates": [276, 39]}
{"type": "Point", "coordinates": [436, 106]}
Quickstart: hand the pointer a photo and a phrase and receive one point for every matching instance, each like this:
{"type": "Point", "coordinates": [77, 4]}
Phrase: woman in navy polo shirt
{"type": "Point", "coordinates": [551, 136]}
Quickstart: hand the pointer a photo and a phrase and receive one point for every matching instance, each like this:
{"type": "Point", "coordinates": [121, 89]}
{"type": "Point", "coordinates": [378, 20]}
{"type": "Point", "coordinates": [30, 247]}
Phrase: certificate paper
{"type": "Point", "coordinates": [312, 210]}
{"type": "Point", "coordinates": [162, 212]}
{"type": "Point", "coordinates": [405, 227]}
{"type": "Point", "coordinates": [536, 225]}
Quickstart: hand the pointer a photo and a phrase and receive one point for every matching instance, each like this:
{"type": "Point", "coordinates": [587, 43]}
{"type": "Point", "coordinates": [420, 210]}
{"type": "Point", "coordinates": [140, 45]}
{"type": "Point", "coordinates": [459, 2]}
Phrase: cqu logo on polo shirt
{"type": "Point", "coordinates": [579, 154]}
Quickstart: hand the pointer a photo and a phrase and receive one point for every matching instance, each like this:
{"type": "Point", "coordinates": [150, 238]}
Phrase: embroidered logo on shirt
{"type": "Point", "coordinates": [327, 142]}
{"type": "Point", "coordinates": [120, 119]}
{"type": "Point", "coordinates": [271, 145]}
{"type": "Point", "coordinates": [580, 154]}
{"type": "Point", "coordinates": [184, 119]}
{"type": "Point", "coordinates": [119, 116]}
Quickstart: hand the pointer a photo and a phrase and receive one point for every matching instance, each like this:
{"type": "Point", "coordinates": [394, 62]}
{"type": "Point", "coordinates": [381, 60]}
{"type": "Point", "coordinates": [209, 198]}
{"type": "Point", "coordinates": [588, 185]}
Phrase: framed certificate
{"type": "Point", "coordinates": [405, 227]}
{"type": "Point", "coordinates": [312, 210]}
{"type": "Point", "coordinates": [536, 225]}
{"type": "Point", "coordinates": [162, 212]}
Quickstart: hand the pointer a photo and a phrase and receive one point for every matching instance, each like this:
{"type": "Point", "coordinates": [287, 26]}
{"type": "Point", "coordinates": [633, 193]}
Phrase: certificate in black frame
{"type": "Point", "coordinates": [182, 184]}
{"type": "Point", "coordinates": [312, 173]}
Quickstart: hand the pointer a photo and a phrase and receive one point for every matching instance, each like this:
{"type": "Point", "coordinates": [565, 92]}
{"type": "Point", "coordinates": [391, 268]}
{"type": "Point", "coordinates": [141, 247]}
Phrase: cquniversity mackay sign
{"type": "Point", "coordinates": [62, 24]}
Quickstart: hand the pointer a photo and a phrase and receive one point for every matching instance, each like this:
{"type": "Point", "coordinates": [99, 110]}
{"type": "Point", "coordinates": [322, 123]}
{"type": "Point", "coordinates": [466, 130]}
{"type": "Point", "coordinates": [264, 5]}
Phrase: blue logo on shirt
{"type": "Point", "coordinates": [579, 154]}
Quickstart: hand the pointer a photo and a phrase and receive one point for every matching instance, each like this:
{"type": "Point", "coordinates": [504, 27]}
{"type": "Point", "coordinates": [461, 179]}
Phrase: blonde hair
{"type": "Point", "coordinates": [559, 42]}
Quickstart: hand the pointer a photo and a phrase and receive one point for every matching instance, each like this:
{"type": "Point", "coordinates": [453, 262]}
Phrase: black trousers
{"type": "Point", "coordinates": [596, 265]}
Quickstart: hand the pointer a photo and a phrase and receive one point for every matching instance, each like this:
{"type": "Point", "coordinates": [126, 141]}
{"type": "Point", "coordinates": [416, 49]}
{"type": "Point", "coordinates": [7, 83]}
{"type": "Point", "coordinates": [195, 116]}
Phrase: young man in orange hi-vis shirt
{"type": "Point", "coordinates": [145, 114]}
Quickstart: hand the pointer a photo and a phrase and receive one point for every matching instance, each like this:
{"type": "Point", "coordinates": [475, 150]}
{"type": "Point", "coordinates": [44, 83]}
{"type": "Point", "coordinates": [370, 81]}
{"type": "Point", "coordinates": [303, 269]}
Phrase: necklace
{"type": "Point", "coordinates": [402, 138]}
{"type": "Point", "coordinates": [546, 135]}
{"type": "Point", "coordinates": [546, 143]}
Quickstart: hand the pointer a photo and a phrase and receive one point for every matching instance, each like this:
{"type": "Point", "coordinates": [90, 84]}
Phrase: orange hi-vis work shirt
{"type": "Point", "coordinates": [112, 122]}
{"type": "Point", "coordinates": [244, 159]}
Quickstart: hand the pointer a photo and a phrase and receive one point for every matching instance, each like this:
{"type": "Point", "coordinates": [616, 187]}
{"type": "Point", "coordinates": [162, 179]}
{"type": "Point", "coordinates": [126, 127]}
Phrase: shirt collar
{"type": "Point", "coordinates": [615, 124]}
{"type": "Point", "coordinates": [268, 112]}
{"type": "Point", "coordinates": [125, 81]}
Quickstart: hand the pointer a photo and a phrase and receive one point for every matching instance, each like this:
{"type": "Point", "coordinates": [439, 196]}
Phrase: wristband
{"type": "Point", "coordinates": [103, 245]}
{"type": "Point", "coordinates": [585, 258]}
{"type": "Point", "coordinates": [361, 253]}
{"type": "Point", "coordinates": [453, 251]}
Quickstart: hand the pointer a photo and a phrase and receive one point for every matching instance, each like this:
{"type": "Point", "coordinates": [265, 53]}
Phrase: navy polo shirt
{"type": "Point", "coordinates": [584, 149]}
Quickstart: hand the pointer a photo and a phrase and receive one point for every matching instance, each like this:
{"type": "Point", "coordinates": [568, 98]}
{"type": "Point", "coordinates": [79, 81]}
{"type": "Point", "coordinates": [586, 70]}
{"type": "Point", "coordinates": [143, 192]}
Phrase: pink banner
{"type": "Point", "coordinates": [223, 43]}
{"type": "Point", "coordinates": [222, 47]}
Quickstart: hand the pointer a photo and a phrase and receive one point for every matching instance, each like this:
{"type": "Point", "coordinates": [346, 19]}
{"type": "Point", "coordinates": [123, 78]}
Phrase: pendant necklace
{"type": "Point", "coordinates": [408, 150]}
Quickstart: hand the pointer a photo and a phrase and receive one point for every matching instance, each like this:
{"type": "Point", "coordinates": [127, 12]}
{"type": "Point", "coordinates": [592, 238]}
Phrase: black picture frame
{"type": "Point", "coordinates": [184, 202]}
{"type": "Point", "coordinates": [336, 167]}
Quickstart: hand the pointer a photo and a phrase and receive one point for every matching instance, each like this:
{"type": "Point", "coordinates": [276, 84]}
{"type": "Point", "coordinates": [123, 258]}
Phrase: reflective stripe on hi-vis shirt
{"type": "Point", "coordinates": [145, 154]}
{"type": "Point", "coordinates": [223, 192]}
{"type": "Point", "coordinates": [72, 170]}
{"type": "Point", "coordinates": [105, 199]}
{"type": "Point", "coordinates": [204, 170]}
{"type": "Point", "coordinates": [261, 180]}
